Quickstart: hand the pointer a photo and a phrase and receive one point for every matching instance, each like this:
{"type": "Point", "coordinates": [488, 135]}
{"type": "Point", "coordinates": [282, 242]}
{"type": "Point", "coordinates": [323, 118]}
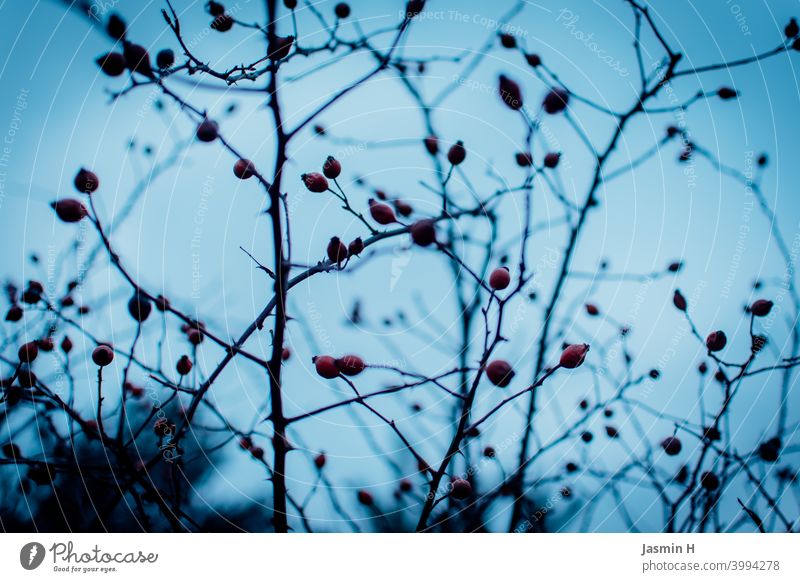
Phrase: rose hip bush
{"type": "Point", "coordinates": [518, 401]}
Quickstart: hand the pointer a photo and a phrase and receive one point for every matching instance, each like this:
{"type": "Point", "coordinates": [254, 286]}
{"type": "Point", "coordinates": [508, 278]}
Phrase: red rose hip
{"type": "Point", "coordinates": [500, 373]}
{"type": "Point", "coordinates": [332, 168]}
{"type": "Point", "coordinates": [350, 365]}
{"type": "Point", "coordinates": [457, 153]}
{"type": "Point", "coordinates": [573, 356]}
{"type": "Point", "coordinates": [326, 367]}
{"type": "Point", "coordinates": [500, 278]}
{"type": "Point", "coordinates": [103, 355]}
{"type": "Point", "coordinates": [244, 169]}
{"type": "Point", "coordinates": [761, 307]}
{"type": "Point", "coordinates": [716, 341]}
{"type": "Point", "coordinates": [315, 182]}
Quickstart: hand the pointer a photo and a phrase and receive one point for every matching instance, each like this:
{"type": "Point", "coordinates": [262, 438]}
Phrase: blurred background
{"type": "Point", "coordinates": [180, 221]}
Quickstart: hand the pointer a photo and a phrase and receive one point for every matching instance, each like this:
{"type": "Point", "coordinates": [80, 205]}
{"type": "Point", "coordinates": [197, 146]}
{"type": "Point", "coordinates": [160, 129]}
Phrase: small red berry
{"type": "Point", "coordinates": [69, 210]}
{"type": "Point", "coordinates": [14, 313]}
{"type": "Point", "coordinates": [26, 378]}
{"type": "Point", "coordinates": [403, 208]}
{"type": "Point", "coordinates": [66, 345]}
{"type": "Point", "coordinates": [716, 341]}
{"type": "Point", "coordinates": [207, 131]}
{"type": "Point", "coordinates": [761, 307]}
{"type": "Point", "coordinates": [116, 27]}
{"type": "Point", "coordinates": [279, 47]}
{"type": "Point", "coordinates": [592, 309]}
{"type": "Point", "coordinates": [326, 367]}
{"type": "Point", "coordinates": [103, 355]}
{"type": "Point", "coordinates": [337, 251]}
{"type": "Point", "coordinates": [533, 60]}
{"type": "Point", "coordinates": [461, 488]}
{"type": "Point", "coordinates": [702, 368]}
{"type": "Point", "coordinates": [709, 481]}
{"type": "Point", "coordinates": [86, 181]}
{"type": "Point", "coordinates": [332, 168]}
{"type": "Point", "coordinates": [184, 365]}
{"type": "Point", "coordinates": [355, 247]}
{"type": "Point", "coordinates": [551, 159]}
{"type": "Point", "coordinates": [457, 153]}
{"type": "Point", "coordinates": [162, 303]}
{"type": "Point", "coordinates": [726, 93]}
{"type": "Point", "coordinates": [28, 352]}
{"type": "Point", "coordinates": [365, 498]}
{"type": "Point", "coordinates": [510, 93]}
{"type": "Point", "coordinates": [432, 145]}
{"type": "Point", "coordinates": [315, 182]}
{"type": "Point", "coordinates": [342, 10]}
{"type": "Point", "coordinates": [500, 373]}
{"type": "Point", "coordinates": [137, 59]}
{"type": "Point", "coordinates": [244, 169]}
{"type": "Point", "coordinates": [500, 278]}
{"type": "Point", "coordinates": [195, 336]}
{"type": "Point", "coordinates": [135, 391]}
{"type": "Point", "coordinates": [222, 23]}
{"type": "Point", "coordinates": [574, 355]}
{"type": "Point", "coordinates": [523, 159]}
{"type": "Point", "coordinates": [286, 353]}
{"type": "Point", "coordinates": [508, 40]}
{"type": "Point", "coordinates": [320, 460]}
{"type": "Point", "coordinates": [350, 365]}
{"type": "Point", "coordinates": [679, 300]}
{"type": "Point", "coordinates": [423, 233]}
{"type": "Point", "coordinates": [165, 59]}
{"type": "Point", "coordinates": [215, 8]}
{"type": "Point", "coordinates": [33, 294]}
{"type": "Point", "coordinates": [675, 266]}
{"type": "Point", "coordinates": [555, 101]}
{"type": "Point", "coordinates": [139, 307]}
{"type": "Point", "coordinates": [671, 445]}
{"type": "Point", "coordinates": [792, 29]}
{"type": "Point", "coordinates": [770, 450]}
{"type": "Point", "coordinates": [381, 213]}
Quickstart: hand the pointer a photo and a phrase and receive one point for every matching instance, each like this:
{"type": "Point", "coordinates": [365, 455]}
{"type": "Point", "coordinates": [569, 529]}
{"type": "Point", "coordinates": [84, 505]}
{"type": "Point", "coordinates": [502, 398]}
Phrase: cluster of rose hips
{"type": "Point", "coordinates": [223, 21]}
{"type": "Point", "coordinates": [329, 367]}
{"type": "Point", "coordinates": [246, 443]}
{"type": "Point", "coordinates": [194, 332]}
